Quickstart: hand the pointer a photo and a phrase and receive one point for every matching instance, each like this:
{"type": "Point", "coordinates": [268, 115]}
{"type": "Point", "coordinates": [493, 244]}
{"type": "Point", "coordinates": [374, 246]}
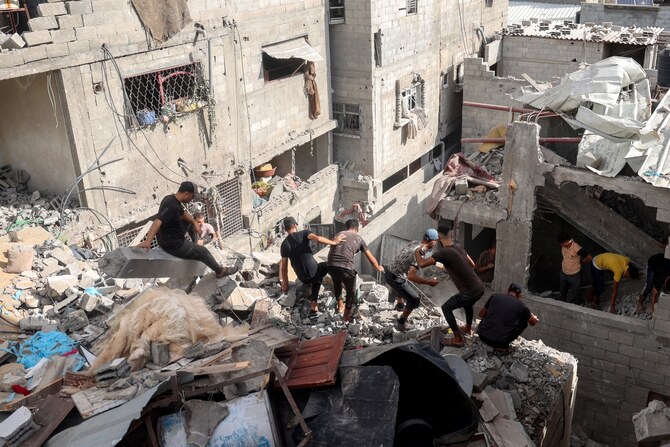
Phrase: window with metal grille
{"type": "Point", "coordinates": [127, 237]}
{"type": "Point", "coordinates": [230, 205]}
{"type": "Point", "coordinates": [336, 12]}
{"type": "Point", "coordinates": [411, 7]}
{"type": "Point", "coordinates": [411, 97]}
{"type": "Point", "coordinates": [348, 118]}
{"type": "Point", "coordinates": [170, 92]}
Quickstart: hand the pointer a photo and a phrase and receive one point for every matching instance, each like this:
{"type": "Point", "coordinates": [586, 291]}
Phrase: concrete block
{"type": "Point", "coordinates": [36, 37]}
{"type": "Point", "coordinates": [74, 321]}
{"type": "Point", "coordinates": [51, 9]}
{"type": "Point", "coordinates": [69, 21]}
{"type": "Point", "coordinates": [35, 53]}
{"type": "Point", "coordinates": [89, 302]}
{"type": "Point", "coordinates": [461, 187]}
{"type": "Point", "coordinates": [66, 302]}
{"type": "Point", "coordinates": [128, 262]}
{"type": "Point", "coordinates": [14, 42]}
{"type": "Point", "coordinates": [241, 299]}
{"type": "Point", "coordinates": [63, 36]}
{"type": "Point", "coordinates": [653, 422]}
{"type": "Point", "coordinates": [160, 353]}
{"type": "Point", "coordinates": [79, 46]}
{"type": "Point", "coordinates": [57, 50]}
{"type": "Point", "coordinates": [42, 23]}
{"type": "Point", "coordinates": [35, 323]}
{"type": "Point", "coordinates": [57, 285]}
{"type": "Point", "coordinates": [79, 7]}
{"type": "Point", "coordinates": [11, 59]}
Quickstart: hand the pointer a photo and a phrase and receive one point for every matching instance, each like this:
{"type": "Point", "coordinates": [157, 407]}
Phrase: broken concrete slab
{"type": "Point", "coordinates": [201, 418]}
{"type": "Point", "coordinates": [160, 353]}
{"type": "Point", "coordinates": [241, 299]}
{"type": "Point", "coordinates": [129, 262]}
{"type": "Point", "coordinates": [74, 321]}
{"type": "Point", "coordinates": [653, 422]}
{"type": "Point", "coordinates": [63, 255]}
{"type": "Point", "coordinates": [57, 285]}
{"type": "Point", "coordinates": [17, 427]}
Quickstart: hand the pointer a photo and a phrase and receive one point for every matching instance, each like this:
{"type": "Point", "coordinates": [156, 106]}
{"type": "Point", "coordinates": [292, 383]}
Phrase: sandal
{"type": "Point", "coordinates": [452, 342]}
{"type": "Point", "coordinates": [227, 271]}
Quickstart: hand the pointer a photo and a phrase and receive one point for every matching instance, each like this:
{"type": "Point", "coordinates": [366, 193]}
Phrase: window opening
{"type": "Point", "coordinates": [336, 11]}
{"type": "Point", "coordinates": [348, 118]}
{"type": "Point", "coordinates": [170, 92]}
{"type": "Point", "coordinates": [411, 98]}
{"type": "Point", "coordinates": [274, 69]}
{"type": "Point", "coordinates": [411, 7]}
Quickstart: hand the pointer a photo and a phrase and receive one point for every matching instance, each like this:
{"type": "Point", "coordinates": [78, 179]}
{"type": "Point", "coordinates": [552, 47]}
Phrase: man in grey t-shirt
{"type": "Point", "coordinates": [342, 268]}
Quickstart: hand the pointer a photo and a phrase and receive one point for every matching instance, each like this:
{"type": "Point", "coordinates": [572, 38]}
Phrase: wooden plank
{"type": "Point", "coordinates": [143, 232]}
{"type": "Point", "coordinates": [214, 369]}
{"type": "Point", "coordinates": [92, 401]}
{"type": "Point", "coordinates": [52, 388]}
{"type": "Point", "coordinates": [51, 412]}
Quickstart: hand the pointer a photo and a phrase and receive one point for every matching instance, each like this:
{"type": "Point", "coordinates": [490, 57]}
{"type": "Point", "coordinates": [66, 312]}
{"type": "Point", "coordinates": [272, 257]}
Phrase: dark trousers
{"type": "Point", "coordinates": [504, 344]}
{"type": "Point", "coordinates": [316, 280]}
{"type": "Point", "coordinates": [574, 284]}
{"type": "Point", "coordinates": [650, 283]}
{"type": "Point", "coordinates": [403, 288]}
{"type": "Point", "coordinates": [464, 300]}
{"type": "Point", "coordinates": [598, 277]}
{"type": "Point", "coordinates": [347, 278]}
{"type": "Point", "coordinates": [189, 250]}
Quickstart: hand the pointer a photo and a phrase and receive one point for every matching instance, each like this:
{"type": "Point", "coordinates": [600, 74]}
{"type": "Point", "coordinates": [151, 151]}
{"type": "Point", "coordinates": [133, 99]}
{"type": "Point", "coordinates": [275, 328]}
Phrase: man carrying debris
{"type": "Point", "coordinates": [571, 267]}
{"type": "Point", "coordinates": [459, 266]}
{"type": "Point", "coordinates": [486, 263]}
{"type": "Point", "coordinates": [207, 232]}
{"type": "Point", "coordinates": [296, 249]}
{"type": "Point", "coordinates": [171, 226]}
{"type": "Point", "coordinates": [342, 268]}
{"type": "Point", "coordinates": [620, 266]}
{"type": "Point", "coordinates": [658, 271]}
{"type": "Point", "coordinates": [403, 268]}
{"type": "Point", "coordinates": [504, 318]}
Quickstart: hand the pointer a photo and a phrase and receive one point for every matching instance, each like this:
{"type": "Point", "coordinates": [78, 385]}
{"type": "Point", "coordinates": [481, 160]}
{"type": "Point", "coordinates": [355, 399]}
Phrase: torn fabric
{"type": "Point", "coordinates": [163, 18]}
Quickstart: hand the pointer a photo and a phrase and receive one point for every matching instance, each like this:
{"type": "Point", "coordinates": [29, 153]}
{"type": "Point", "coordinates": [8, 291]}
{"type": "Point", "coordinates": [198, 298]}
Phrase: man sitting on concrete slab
{"type": "Point", "coordinates": [504, 318]}
{"type": "Point", "coordinates": [170, 227]}
{"type": "Point", "coordinates": [342, 268]}
{"type": "Point", "coordinates": [459, 266]}
{"type": "Point", "coordinates": [403, 269]}
{"type": "Point", "coordinates": [296, 249]}
{"type": "Point", "coordinates": [620, 266]}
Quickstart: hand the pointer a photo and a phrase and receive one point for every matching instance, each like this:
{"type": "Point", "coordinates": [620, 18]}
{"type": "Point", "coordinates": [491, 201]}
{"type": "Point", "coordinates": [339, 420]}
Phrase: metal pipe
{"type": "Point", "coordinates": [479, 105]}
{"type": "Point", "coordinates": [542, 140]}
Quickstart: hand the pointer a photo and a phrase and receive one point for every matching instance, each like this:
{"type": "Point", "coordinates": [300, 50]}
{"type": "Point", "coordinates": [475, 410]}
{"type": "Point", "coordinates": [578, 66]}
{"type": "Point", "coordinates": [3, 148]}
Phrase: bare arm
{"type": "Point", "coordinates": [615, 289]}
{"type": "Point", "coordinates": [472, 263]}
{"type": "Point", "coordinates": [153, 230]}
{"type": "Point", "coordinates": [412, 276]}
{"type": "Point", "coordinates": [373, 261]}
{"type": "Point", "coordinates": [533, 320]}
{"type": "Point", "coordinates": [482, 312]}
{"type": "Point", "coordinates": [186, 217]}
{"type": "Point", "coordinates": [324, 240]}
{"type": "Point", "coordinates": [421, 262]}
{"type": "Point", "coordinates": [283, 274]}
{"type": "Point", "coordinates": [654, 296]}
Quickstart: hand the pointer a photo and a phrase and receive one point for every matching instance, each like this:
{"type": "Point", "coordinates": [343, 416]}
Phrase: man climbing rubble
{"type": "Point", "coordinates": [296, 249]}
{"type": "Point", "coordinates": [459, 266]}
{"type": "Point", "coordinates": [402, 271]}
{"type": "Point", "coordinates": [504, 318]}
{"type": "Point", "coordinates": [342, 268]}
{"type": "Point", "coordinates": [571, 267]}
{"type": "Point", "coordinates": [620, 266]}
{"type": "Point", "coordinates": [171, 226]}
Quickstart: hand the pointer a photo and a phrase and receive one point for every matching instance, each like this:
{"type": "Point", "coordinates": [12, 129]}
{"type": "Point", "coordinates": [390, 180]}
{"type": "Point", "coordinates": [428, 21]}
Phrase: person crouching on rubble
{"type": "Point", "coordinates": [171, 225]}
{"type": "Point", "coordinates": [620, 266]}
{"type": "Point", "coordinates": [208, 234]}
{"type": "Point", "coordinates": [402, 271]}
{"type": "Point", "coordinates": [504, 318]}
{"type": "Point", "coordinates": [296, 248]}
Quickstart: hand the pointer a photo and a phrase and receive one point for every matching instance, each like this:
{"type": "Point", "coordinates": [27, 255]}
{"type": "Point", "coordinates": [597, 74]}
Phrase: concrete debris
{"type": "Point", "coordinates": [110, 372]}
{"type": "Point", "coordinates": [17, 427]}
{"type": "Point", "coordinates": [201, 419]}
{"type": "Point", "coordinates": [653, 422]}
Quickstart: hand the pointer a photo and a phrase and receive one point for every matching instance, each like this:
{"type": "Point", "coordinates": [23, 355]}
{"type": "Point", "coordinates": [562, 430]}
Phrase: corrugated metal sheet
{"type": "Point", "coordinates": [312, 362]}
{"type": "Point", "coordinates": [587, 32]}
{"type": "Point", "coordinates": [518, 11]}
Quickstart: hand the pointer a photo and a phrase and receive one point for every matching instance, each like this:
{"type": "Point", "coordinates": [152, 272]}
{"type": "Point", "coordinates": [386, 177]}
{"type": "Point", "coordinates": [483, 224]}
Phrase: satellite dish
{"type": "Point", "coordinates": [462, 372]}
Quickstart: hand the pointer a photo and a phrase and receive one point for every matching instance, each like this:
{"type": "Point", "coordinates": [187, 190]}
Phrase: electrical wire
{"type": "Point", "coordinates": [52, 98]}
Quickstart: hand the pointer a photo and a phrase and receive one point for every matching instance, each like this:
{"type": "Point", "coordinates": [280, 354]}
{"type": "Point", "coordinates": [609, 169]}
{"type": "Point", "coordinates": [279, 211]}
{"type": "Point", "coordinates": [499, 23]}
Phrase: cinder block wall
{"type": "Point", "coordinates": [598, 13]}
{"type": "Point", "coordinates": [545, 59]}
{"type": "Point", "coordinates": [620, 361]}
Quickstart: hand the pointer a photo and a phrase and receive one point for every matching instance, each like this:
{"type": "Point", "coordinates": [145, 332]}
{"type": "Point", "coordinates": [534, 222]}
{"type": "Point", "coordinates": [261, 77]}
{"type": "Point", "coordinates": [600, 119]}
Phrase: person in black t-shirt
{"type": "Point", "coordinates": [658, 269]}
{"type": "Point", "coordinates": [504, 318]}
{"type": "Point", "coordinates": [170, 227]}
{"type": "Point", "coordinates": [296, 249]}
{"type": "Point", "coordinates": [460, 268]}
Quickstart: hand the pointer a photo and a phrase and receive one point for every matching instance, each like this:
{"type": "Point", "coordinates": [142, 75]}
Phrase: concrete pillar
{"type": "Point", "coordinates": [522, 174]}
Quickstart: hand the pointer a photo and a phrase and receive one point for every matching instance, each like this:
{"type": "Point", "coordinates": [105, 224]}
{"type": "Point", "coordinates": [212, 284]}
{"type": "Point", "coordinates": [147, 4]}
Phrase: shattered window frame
{"type": "Point", "coordinates": [411, 97]}
{"type": "Point", "coordinates": [411, 7]}
{"type": "Point", "coordinates": [348, 118]}
{"type": "Point", "coordinates": [172, 91]}
{"type": "Point", "coordinates": [336, 12]}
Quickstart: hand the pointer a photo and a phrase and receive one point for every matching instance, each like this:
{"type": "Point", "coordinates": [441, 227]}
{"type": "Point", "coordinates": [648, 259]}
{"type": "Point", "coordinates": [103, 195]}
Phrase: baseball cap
{"type": "Point", "coordinates": [188, 187]}
{"type": "Point", "coordinates": [289, 222]}
{"type": "Point", "coordinates": [431, 234]}
{"type": "Point", "coordinates": [514, 287]}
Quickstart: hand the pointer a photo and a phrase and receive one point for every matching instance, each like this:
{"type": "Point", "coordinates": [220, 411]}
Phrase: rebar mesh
{"type": "Point", "coordinates": [125, 238]}
{"type": "Point", "coordinates": [166, 94]}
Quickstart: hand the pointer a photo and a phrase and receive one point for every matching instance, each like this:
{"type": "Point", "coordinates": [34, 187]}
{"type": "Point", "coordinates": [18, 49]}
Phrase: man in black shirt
{"type": "Point", "coordinates": [170, 227]}
{"type": "Point", "coordinates": [296, 249]}
{"type": "Point", "coordinates": [459, 266]}
{"type": "Point", "coordinates": [658, 268]}
{"type": "Point", "coordinates": [504, 318]}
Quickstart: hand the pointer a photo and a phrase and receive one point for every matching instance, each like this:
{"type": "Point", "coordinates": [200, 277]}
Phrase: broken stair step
{"type": "Point", "coordinates": [129, 262]}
